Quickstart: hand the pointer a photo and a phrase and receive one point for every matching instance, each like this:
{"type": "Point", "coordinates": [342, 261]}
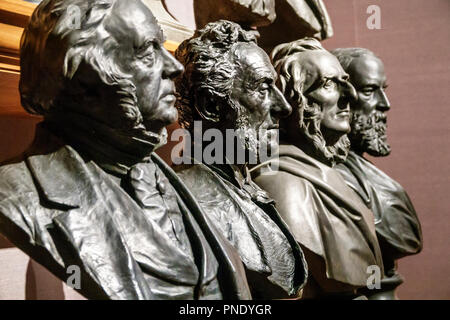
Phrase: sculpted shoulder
{"type": "Point", "coordinates": [296, 200]}
{"type": "Point", "coordinates": [281, 182]}
{"type": "Point", "coordinates": [289, 191]}
{"type": "Point", "coordinates": [20, 208]}
{"type": "Point", "coordinates": [15, 180]}
{"type": "Point", "coordinates": [196, 177]}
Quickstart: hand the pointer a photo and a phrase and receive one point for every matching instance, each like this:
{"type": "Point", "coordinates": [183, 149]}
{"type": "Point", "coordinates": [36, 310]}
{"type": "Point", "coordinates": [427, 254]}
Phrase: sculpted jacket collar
{"type": "Point", "coordinates": [325, 215]}
{"type": "Point", "coordinates": [234, 175]}
{"type": "Point", "coordinates": [116, 245]}
{"type": "Point", "coordinates": [246, 216]}
{"type": "Point", "coordinates": [396, 220]}
{"type": "Point", "coordinates": [114, 149]}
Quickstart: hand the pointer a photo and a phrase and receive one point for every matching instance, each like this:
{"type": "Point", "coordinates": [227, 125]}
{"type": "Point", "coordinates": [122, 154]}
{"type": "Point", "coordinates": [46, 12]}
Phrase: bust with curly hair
{"type": "Point", "coordinates": [229, 85]}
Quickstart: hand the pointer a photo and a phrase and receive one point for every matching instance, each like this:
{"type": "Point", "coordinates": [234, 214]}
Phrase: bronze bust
{"type": "Point", "coordinates": [331, 223]}
{"type": "Point", "coordinates": [229, 85]}
{"type": "Point", "coordinates": [90, 191]}
{"type": "Point", "coordinates": [248, 13]}
{"type": "Point", "coordinates": [398, 228]}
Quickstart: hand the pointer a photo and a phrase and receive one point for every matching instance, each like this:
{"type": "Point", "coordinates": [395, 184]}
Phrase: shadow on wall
{"type": "Point", "coordinates": [40, 285]}
{"type": "Point", "coordinates": [23, 278]}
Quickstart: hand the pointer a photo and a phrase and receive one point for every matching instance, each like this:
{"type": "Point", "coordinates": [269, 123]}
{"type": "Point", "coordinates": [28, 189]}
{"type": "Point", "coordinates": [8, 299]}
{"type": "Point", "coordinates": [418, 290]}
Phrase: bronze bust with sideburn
{"type": "Point", "coordinates": [229, 84]}
{"type": "Point", "coordinates": [333, 226]}
{"type": "Point", "coordinates": [396, 222]}
{"type": "Point", "coordinates": [90, 191]}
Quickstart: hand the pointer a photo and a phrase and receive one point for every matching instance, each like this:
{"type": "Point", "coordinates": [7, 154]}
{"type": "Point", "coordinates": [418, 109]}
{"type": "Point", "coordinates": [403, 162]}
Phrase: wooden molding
{"type": "Point", "coordinates": [10, 38]}
{"type": "Point", "coordinates": [16, 12]}
{"type": "Point", "coordinates": [14, 15]}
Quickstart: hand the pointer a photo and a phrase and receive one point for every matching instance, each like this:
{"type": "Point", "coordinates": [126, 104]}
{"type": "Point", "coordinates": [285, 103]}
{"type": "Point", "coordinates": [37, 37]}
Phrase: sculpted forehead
{"type": "Point", "coordinates": [319, 65]}
{"type": "Point", "coordinates": [132, 20]}
{"type": "Point", "coordinates": [254, 60]}
{"type": "Point", "coordinates": [366, 70]}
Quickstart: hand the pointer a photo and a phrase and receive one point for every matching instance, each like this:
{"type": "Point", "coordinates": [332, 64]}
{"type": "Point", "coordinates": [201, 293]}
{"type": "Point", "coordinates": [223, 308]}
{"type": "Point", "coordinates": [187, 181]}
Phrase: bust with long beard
{"type": "Point", "coordinates": [396, 222]}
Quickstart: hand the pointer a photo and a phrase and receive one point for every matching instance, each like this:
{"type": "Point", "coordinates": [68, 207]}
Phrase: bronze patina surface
{"type": "Point", "coordinates": [398, 227]}
{"type": "Point", "coordinates": [332, 224]}
{"type": "Point", "coordinates": [229, 84]}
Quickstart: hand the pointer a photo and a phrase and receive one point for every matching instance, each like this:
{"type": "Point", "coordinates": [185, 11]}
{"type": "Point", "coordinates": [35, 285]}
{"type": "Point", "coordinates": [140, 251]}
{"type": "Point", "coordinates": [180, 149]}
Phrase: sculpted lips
{"type": "Point", "coordinates": [344, 113]}
{"type": "Point", "coordinates": [168, 96]}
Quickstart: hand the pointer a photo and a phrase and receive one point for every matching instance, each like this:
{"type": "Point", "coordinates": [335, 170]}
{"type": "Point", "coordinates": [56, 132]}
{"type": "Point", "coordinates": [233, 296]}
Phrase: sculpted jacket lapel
{"type": "Point", "coordinates": [107, 228]}
{"type": "Point", "coordinates": [85, 221]}
{"type": "Point", "coordinates": [354, 181]}
{"type": "Point", "coordinates": [232, 273]}
{"type": "Point", "coordinates": [395, 217]}
{"type": "Point", "coordinates": [330, 203]}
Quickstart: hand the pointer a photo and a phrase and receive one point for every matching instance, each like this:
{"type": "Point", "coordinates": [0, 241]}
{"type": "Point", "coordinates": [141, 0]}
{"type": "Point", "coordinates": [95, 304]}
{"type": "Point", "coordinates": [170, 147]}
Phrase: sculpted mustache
{"type": "Point", "coordinates": [364, 121]}
{"type": "Point", "coordinates": [380, 117]}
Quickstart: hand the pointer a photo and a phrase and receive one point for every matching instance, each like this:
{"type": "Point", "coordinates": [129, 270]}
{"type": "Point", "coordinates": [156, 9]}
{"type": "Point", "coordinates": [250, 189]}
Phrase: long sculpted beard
{"type": "Point", "coordinates": [259, 144]}
{"type": "Point", "coordinates": [368, 134]}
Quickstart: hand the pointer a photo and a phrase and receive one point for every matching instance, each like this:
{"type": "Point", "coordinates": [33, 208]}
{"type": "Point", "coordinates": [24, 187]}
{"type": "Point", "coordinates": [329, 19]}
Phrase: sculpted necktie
{"type": "Point", "coordinates": [154, 193]}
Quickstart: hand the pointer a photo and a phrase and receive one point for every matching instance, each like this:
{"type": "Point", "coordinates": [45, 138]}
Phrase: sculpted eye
{"type": "Point", "coordinates": [329, 84]}
{"type": "Point", "coordinates": [367, 91]}
{"type": "Point", "coordinates": [146, 53]}
{"type": "Point", "coordinates": [149, 58]}
{"type": "Point", "coordinates": [264, 86]}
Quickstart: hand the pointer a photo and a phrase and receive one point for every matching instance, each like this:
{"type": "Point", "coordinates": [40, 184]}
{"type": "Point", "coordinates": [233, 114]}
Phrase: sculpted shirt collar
{"type": "Point", "coordinates": [241, 180]}
{"type": "Point", "coordinates": [115, 150]}
{"type": "Point", "coordinates": [249, 220]}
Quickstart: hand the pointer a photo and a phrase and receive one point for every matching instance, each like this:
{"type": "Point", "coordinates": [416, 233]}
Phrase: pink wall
{"type": "Point", "coordinates": [414, 44]}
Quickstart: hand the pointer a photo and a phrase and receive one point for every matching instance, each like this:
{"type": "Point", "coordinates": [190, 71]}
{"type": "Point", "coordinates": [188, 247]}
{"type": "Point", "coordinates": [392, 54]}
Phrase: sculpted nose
{"type": "Point", "coordinates": [349, 91]}
{"type": "Point", "coordinates": [280, 107]}
{"type": "Point", "coordinates": [383, 101]}
{"type": "Point", "coordinates": [348, 95]}
{"type": "Point", "coordinates": [172, 67]}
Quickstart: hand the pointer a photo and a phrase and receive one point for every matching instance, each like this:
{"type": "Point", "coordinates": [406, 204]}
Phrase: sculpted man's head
{"type": "Point", "coordinates": [229, 83]}
{"type": "Point", "coordinates": [103, 59]}
{"type": "Point", "coordinates": [247, 13]}
{"type": "Point", "coordinates": [317, 87]}
{"type": "Point", "coordinates": [368, 133]}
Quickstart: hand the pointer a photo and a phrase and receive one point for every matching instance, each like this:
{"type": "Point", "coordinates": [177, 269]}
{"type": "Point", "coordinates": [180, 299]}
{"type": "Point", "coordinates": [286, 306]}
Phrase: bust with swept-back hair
{"type": "Point", "coordinates": [90, 191]}
{"type": "Point", "coordinates": [315, 130]}
{"type": "Point", "coordinates": [334, 228]}
{"type": "Point", "coordinates": [229, 85]}
{"type": "Point", "coordinates": [398, 227]}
